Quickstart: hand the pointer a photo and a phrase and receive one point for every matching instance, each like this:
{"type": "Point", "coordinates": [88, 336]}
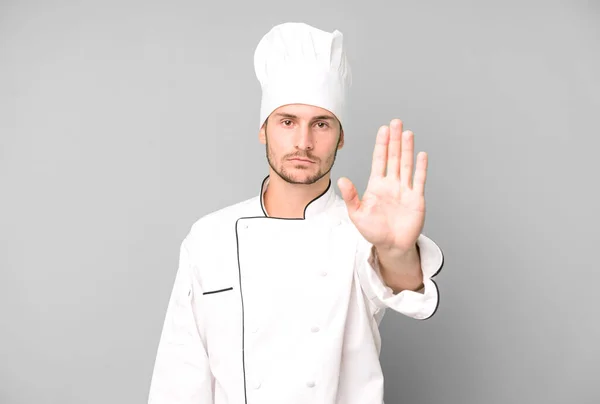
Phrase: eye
{"type": "Point", "coordinates": [322, 125]}
{"type": "Point", "coordinates": [287, 122]}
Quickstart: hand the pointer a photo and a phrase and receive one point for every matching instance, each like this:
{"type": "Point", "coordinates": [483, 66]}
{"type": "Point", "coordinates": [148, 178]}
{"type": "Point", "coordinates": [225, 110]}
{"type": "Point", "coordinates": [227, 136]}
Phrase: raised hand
{"type": "Point", "coordinates": [391, 213]}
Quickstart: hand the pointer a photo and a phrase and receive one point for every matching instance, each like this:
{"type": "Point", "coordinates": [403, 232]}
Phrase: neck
{"type": "Point", "coordinates": [285, 200]}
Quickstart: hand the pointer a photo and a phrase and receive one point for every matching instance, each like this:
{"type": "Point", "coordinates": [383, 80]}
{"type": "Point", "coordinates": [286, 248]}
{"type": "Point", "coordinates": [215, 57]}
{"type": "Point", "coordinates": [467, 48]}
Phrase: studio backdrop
{"type": "Point", "coordinates": [123, 122]}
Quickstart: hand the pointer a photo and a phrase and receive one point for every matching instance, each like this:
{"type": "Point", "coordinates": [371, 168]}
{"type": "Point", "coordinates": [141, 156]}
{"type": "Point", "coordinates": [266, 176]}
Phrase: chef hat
{"type": "Point", "coordinates": [299, 64]}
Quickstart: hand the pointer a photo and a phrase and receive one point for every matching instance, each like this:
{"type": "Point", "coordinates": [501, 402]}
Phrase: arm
{"type": "Point", "coordinates": [391, 216]}
{"type": "Point", "coordinates": [181, 371]}
{"type": "Point", "coordinates": [400, 271]}
{"type": "Point", "coordinates": [420, 304]}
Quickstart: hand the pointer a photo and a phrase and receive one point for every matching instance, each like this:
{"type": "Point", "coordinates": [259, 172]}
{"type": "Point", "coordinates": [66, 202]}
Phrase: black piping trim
{"type": "Point", "coordinates": [260, 195]}
{"type": "Point", "coordinates": [438, 302]}
{"type": "Point", "coordinates": [319, 196]}
{"type": "Point", "coordinates": [436, 286]}
{"type": "Point", "coordinates": [217, 291]}
{"type": "Point", "coordinates": [286, 218]}
{"type": "Point", "coordinates": [441, 266]}
{"type": "Point", "coordinates": [237, 243]}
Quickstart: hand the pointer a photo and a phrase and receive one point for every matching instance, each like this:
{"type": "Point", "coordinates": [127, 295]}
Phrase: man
{"type": "Point", "coordinates": [278, 298]}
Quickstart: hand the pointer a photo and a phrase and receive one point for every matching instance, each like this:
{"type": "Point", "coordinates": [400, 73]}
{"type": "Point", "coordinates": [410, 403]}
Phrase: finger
{"type": "Point", "coordinates": [380, 152]}
{"type": "Point", "coordinates": [349, 194]}
{"type": "Point", "coordinates": [406, 160]}
{"type": "Point", "coordinates": [394, 149]}
{"type": "Point", "coordinates": [421, 173]}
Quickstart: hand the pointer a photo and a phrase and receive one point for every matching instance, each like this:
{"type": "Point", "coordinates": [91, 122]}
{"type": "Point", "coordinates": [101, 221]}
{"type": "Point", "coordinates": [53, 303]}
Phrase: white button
{"type": "Point", "coordinates": [255, 330]}
{"type": "Point", "coordinates": [315, 329]}
{"type": "Point", "coordinates": [323, 273]}
{"type": "Point", "coordinates": [257, 385]}
{"type": "Point", "coordinates": [310, 384]}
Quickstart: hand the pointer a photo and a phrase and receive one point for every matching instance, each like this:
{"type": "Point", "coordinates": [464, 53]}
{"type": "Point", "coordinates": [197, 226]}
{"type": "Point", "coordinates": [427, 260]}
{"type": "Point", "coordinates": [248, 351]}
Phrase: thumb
{"type": "Point", "coordinates": [349, 194]}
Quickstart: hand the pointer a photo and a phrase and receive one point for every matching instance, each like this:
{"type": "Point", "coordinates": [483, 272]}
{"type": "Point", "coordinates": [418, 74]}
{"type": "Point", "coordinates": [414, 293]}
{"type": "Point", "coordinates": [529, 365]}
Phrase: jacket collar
{"type": "Point", "coordinates": [313, 208]}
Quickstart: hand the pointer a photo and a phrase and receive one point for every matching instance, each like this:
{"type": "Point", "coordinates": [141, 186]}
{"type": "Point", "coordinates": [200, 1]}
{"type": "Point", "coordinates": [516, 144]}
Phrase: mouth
{"type": "Point", "coordinates": [301, 160]}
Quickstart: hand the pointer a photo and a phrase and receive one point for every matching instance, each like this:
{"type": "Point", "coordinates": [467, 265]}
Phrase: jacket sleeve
{"type": "Point", "coordinates": [419, 305]}
{"type": "Point", "coordinates": [181, 370]}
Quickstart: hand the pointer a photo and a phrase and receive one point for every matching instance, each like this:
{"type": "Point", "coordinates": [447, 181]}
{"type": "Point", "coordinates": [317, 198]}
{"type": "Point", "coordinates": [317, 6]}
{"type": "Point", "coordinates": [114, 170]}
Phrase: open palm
{"type": "Point", "coordinates": [391, 213]}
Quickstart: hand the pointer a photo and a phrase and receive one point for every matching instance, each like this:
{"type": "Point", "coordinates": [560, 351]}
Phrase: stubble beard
{"type": "Point", "coordinates": [289, 177]}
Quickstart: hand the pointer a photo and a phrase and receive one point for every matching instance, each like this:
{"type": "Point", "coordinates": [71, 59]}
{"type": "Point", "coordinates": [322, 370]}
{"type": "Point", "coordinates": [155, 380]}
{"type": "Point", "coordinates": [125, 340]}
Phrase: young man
{"type": "Point", "coordinates": [278, 298]}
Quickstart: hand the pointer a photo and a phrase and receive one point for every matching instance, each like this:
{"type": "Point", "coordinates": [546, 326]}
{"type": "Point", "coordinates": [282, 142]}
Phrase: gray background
{"type": "Point", "coordinates": [123, 122]}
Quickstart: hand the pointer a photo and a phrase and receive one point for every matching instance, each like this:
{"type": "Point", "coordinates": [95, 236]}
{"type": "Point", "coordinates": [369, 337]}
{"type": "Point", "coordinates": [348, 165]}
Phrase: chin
{"type": "Point", "coordinates": [305, 177]}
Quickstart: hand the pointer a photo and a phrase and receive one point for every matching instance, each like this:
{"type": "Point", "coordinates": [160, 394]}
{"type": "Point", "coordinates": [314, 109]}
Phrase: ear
{"type": "Point", "coordinates": [341, 139]}
{"type": "Point", "coordinates": [262, 135]}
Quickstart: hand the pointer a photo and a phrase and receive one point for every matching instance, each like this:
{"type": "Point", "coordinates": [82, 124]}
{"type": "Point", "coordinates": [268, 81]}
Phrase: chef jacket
{"type": "Point", "coordinates": [268, 310]}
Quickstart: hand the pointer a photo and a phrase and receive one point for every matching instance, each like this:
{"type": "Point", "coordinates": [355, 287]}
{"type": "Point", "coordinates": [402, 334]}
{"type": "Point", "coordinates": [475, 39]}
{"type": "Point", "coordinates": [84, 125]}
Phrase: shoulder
{"type": "Point", "coordinates": [213, 223]}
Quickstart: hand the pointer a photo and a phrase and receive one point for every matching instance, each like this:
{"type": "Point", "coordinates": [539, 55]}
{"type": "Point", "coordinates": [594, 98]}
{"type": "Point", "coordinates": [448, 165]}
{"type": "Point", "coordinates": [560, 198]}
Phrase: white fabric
{"type": "Point", "coordinates": [296, 63]}
{"type": "Point", "coordinates": [267, 310]}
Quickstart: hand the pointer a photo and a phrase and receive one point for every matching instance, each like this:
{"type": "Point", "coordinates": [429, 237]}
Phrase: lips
{"type": "Point", "coordinates": [303, 160]}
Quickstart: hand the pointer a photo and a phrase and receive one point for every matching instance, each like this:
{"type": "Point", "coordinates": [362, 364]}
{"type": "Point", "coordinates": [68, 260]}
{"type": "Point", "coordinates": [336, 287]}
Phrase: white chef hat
{"type": "Point", "coordinates": [296, 63]}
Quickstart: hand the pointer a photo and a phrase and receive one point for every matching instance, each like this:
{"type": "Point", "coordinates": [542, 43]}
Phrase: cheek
{"type": "Point", "coordinates": [330, 144]}
{"type": "Point", "coordinates": [285, 141]}
{"type": "Point", "coordinates": [276, 147]}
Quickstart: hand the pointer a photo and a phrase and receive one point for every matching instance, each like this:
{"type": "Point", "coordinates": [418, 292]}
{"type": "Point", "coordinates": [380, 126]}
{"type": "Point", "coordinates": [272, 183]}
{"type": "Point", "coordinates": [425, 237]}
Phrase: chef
{"type": "Point", "coordinates": [277, 299]}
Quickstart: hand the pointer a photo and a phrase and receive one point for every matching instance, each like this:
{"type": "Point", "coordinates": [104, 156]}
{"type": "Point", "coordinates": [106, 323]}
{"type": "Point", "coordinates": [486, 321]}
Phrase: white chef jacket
{"type": "Point", "coordinates": [280, 311]}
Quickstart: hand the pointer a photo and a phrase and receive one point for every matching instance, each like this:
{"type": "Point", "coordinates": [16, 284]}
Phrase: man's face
{"type": "Point", "coordinates": [301, 142]}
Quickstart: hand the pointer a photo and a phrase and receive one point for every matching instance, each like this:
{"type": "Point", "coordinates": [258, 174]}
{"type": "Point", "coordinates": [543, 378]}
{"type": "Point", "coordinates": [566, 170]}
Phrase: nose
{"type": "Point", "coordinates": [304, 138]}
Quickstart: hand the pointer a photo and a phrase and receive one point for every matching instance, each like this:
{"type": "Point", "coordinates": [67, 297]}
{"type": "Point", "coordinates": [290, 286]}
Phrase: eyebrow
{"type": "Point", "coordinates": [314, 118]}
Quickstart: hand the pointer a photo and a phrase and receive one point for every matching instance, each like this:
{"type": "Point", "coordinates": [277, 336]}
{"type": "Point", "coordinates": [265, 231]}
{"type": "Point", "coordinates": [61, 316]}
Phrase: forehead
{"type": "Point", "coordinates": [303, 111]}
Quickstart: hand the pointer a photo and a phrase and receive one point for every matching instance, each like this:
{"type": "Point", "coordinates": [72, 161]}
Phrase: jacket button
{"type": "Point", "coordinates": [310, 384]}
{"type": "Point", "coordinates": [257, 385]}
{"type": "Point", "coordinates": [315, 329]}
{"type": "Point", "coordinates": [323, 273]}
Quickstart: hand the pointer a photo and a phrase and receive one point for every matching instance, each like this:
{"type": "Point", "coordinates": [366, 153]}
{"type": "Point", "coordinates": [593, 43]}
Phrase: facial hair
{"type": "Point", "coordinates": [288, 177]}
